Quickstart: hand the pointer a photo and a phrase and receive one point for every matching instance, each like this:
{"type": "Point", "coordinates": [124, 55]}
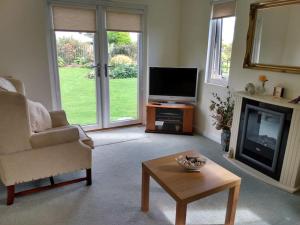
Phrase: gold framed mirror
{"type": "Point", "coordinates": [273, 39]}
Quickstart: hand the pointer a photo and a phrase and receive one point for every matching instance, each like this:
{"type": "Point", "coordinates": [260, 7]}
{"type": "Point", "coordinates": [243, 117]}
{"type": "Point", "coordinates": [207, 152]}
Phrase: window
{"type": "Point", "coordinates": [220, 43]}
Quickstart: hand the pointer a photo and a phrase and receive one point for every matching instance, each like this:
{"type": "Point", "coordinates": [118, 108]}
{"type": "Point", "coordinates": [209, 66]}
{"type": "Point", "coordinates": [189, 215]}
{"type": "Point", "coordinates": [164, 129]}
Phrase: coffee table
{"type": "Point", "coordinates": [186, 187]}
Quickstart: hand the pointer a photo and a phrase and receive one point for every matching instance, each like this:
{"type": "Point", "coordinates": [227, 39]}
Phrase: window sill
{"type": "Point", "coordinates": [216, 83]}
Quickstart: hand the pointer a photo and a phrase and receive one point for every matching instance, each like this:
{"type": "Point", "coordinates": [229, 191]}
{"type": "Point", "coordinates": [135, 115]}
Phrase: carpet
{"type": "Point", "coordinates": [113, 136]}
{"type": "Point", "coordinates": [114, 197]}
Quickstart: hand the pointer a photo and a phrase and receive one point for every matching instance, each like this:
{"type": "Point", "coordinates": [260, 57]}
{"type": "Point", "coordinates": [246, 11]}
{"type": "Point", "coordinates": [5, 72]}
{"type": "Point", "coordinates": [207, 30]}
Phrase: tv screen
{"type": "Point", "coordinates": [179, 82]}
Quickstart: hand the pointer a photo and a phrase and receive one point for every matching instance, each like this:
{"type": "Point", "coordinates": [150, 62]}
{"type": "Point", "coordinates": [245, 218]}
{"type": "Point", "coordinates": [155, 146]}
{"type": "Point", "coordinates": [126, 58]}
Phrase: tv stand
{"type": "Point", "coordinates": [170, 118]}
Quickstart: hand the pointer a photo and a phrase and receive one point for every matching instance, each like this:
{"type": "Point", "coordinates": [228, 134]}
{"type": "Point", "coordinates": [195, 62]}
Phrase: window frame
{"type": "Point", "coordinates": [214, 54]}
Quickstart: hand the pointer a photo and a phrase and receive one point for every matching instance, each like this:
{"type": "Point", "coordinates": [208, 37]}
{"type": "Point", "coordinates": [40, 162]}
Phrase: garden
{"type": "Point", "coordinates": [77, 77]}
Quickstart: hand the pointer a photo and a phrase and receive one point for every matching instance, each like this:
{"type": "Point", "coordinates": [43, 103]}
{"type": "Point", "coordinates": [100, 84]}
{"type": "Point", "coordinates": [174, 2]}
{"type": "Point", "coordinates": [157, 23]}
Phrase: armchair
{"type": "Point", "coordinates": [27, 156]}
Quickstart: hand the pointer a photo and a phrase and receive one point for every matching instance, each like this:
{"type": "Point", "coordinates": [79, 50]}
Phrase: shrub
{"type": "Point", "coordinates": [74, 51]}
{"type": "Point", "coordinates": [122, 71]}
{"type": "Point", "coordinates": [120, 59]}
{"type": "Point", "coordinates": [60, 61]}
{"type": "Point", "coordinates": [81, 61]}
{"type": "Point", "coordinates": [129, 50]}
{"type": "Point", "coordinates": [91, 75]}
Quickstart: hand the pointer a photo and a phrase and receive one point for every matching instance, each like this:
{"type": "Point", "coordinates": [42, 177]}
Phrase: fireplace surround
{"type": "Point", "coordinates": [263, 133]}
{"type": "Point", "coordinates": [265, 140]}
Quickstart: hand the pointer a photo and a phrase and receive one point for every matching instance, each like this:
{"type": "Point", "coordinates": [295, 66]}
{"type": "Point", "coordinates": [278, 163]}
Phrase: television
{"type": "Point", "coordinates": [173, 84]}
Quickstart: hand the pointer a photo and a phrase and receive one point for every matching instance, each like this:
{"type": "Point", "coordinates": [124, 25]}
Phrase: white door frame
{"type": "Point", "coordinates": [100, 57]}
{"type": "Point", "coordinates": [106, 80]}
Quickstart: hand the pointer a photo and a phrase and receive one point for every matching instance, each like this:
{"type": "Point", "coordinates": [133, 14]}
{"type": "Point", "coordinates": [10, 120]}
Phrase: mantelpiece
{"type": "Point", "coordinates": [290, 173]}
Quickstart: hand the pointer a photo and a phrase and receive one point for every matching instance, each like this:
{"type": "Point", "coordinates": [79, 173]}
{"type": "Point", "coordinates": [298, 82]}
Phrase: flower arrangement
{"type": "Point", "coordinates": [263, 79]}
{"type": "Point", "coordinates": [222, 111]}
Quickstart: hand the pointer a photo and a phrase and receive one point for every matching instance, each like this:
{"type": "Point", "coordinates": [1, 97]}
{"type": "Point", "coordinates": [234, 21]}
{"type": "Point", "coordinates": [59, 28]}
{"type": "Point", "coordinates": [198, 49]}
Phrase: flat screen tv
{"type": "Point", "coordinates": [173, 84]}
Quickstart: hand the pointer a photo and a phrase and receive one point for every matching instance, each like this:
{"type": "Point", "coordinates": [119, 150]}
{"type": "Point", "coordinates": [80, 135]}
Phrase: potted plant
{"type": "Point", "coordinates": [222, 113]}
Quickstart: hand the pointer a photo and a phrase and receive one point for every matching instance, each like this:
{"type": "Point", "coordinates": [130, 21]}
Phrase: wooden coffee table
{"type": "Point", "coordinates": [186, 187]}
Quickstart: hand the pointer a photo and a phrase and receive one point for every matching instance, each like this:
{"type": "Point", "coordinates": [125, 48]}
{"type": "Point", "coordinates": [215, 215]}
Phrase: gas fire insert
{"type": "Point", "coordinates": [263, 134]}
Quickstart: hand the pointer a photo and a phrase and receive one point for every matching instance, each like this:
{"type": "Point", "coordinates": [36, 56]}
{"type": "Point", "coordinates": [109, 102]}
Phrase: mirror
{"type": "Point", "coordinates": [273, 41]}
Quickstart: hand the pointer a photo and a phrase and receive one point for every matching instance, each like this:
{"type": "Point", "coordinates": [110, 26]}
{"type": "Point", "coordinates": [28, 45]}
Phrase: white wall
{"type": "Point", "coordinates": [178, 35]}
{"type": "Point", "coordinates": [274, 30]}
{"type": "Point", "coordinates": [193, 48]}
{"type": "Point", "coordinates": [23, 49]}
{"type": "Point", "coordinates": [23, 41]}
{"type": "Point", "coordinates": [291, 54]}
{"type": "Point", "coordinates": [239, 76]}
{"type": "Point", "coordinates": [163, 31]}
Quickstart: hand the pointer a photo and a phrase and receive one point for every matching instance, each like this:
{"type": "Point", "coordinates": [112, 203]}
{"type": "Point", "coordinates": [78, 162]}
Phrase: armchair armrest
{"type": "Point", "coordinates": [59, 118]}
{"type": "Point", "coordinates": [54, 136]}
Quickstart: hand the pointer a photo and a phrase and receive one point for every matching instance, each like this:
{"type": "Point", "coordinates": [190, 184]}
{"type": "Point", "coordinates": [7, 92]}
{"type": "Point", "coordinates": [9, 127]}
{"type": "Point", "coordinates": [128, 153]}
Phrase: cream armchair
{"type": "Point", "coordinates": [27, 156]}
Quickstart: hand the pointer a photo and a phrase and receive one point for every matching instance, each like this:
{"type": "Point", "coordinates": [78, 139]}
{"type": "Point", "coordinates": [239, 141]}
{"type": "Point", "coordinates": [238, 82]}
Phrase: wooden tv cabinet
{"type": "Point", "coordinates": [170, 118]}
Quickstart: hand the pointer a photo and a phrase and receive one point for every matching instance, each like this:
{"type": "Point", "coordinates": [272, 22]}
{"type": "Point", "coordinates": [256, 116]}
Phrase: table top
{"type": "Point", "coordinates": [188, 186]}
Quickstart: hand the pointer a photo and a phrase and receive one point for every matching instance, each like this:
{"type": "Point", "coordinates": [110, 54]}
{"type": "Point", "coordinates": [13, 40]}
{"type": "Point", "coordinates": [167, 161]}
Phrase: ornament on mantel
{"type": "Point", "coordinates": [263, 79]}
{"type": "Point", "coordinates": [250, 88]}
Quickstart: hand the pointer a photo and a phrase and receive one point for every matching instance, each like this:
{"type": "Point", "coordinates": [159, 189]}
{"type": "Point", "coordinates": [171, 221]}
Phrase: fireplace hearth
{"type": "Point", "coordinates": [263, 134]}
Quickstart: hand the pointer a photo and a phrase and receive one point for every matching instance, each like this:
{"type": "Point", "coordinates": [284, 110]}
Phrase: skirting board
{"type": "Point", "coordinates": [252, 172]}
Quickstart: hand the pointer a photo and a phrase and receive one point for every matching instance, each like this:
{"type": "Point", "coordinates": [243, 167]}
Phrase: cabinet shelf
{"type": "Point", "coordinates": [175, 119]}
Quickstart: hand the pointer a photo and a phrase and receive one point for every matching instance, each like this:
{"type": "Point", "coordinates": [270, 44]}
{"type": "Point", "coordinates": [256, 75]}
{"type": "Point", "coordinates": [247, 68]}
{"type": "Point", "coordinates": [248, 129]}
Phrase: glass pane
{"type": "Point", "coordinates": [263, 128]}
{"type": "Point", "coordinates": [75, 56]}
{"type": "Point", "coordinates": [123, 75]}
{"type": "Point", "coordinates": [261, 135]}
{"type": "Point", "coordinates": [227, 39]}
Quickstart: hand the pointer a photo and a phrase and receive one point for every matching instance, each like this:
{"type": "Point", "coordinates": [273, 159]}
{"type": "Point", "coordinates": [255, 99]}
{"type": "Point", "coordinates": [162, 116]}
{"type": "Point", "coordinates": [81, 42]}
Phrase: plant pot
{"type": "Point", "coordinates": [225, 139]}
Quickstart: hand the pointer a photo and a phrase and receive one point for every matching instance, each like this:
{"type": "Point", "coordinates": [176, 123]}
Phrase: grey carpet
{"type": "Point", "coordinates": [114, 197]}
{"type": "Point", "coordinates": [113, 136]}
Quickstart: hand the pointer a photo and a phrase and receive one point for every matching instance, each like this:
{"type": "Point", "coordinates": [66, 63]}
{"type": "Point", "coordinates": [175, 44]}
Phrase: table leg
{"type": "Point", "coordinates": [145, 190]}
{"type": "Point", "coordinates": [180, 213]}
{"type": "Point", "coordinates": [231, 205]}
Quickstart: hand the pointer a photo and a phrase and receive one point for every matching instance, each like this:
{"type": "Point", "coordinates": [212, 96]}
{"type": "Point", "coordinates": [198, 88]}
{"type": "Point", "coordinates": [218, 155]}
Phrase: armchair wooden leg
{"type": "Point", "coordinates": [88, 177]}
{"type": "Point", "coordinates": [52, 181]}
{"type": "Point", "coordinates": [10, 194]}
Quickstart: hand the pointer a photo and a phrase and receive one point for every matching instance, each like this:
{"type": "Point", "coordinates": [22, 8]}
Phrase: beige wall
{"type": "Point", "coordinates": [23, 47]}
{"type": "Point", "coordinates": [23, 41]}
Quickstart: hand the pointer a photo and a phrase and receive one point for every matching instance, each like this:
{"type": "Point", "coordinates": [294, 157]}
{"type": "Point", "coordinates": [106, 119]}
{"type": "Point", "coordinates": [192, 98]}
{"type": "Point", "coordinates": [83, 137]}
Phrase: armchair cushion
{"type": "Point", "coordinates": [40, 119]}
{"type": "Point", "coordinates": [54, 136]}
{"type": "Point", "coordinates": [59, 118]}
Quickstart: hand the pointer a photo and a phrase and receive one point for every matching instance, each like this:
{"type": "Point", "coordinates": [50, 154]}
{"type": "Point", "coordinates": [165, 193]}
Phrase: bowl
{"type": "Point", "coordinates": [191, 163]}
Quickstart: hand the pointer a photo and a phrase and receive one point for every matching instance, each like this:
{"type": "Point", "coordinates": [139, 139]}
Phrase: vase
{"type": "Point", "coordinates": [225, 139]}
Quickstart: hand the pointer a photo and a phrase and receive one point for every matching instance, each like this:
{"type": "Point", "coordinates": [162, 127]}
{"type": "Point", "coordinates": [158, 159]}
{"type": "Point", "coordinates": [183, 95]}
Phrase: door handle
{"type": "Point", "coordinates": [98, 69]}
{"type": "Point", "coordinates": [106, 69]}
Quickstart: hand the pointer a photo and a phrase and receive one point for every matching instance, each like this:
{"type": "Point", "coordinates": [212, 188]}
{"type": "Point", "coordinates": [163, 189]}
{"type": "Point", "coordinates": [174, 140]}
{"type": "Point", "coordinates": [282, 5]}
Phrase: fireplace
{"type": "Point", "coordinates": [263, 135]}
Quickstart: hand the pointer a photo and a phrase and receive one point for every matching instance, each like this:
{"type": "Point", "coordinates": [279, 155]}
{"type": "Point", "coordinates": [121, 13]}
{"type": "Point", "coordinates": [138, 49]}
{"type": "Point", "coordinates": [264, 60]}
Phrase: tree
{"type": "Point", "coordinates": [118, 38]}
{"type": "Point", "coordinates": [226, 57]}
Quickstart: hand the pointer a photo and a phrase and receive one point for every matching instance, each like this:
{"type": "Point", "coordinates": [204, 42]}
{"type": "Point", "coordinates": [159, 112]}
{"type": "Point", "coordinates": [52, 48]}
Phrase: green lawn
{"type": "Point", "coordinates": [78, 94]}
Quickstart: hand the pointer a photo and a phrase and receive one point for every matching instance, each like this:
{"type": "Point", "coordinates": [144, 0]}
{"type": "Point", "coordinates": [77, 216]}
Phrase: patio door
{"type": "Point", "coordinates": [97, 64]}
{"type": "Point", "coordinates": [122, 66]}
{"type": "Point", "coordinates": [75, 47]}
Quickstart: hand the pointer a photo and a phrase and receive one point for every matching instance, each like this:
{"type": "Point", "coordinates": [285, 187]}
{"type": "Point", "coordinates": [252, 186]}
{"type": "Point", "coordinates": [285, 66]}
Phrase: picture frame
{"type": "Point", "coordinates": [278, 92]}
